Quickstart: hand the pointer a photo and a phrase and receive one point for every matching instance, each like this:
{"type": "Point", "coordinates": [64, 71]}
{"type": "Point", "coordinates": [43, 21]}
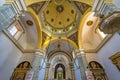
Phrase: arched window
{"type": "Point", "coordinates": [97, 70]}
{"type": "Point", "coordinates": [20, 71]}
{"type": "Point", "coordinates": [59, 72]}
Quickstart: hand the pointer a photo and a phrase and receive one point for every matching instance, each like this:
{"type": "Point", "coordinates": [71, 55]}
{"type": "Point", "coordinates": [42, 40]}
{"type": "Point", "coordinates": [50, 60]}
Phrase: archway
{"type": "Point", "coordinates": [59, 72]}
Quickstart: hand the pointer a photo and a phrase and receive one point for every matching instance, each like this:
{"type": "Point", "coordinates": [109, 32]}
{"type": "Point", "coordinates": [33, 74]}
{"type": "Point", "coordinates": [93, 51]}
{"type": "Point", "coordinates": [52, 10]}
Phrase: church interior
{"type": "Point", "coordinates": [59, 40]}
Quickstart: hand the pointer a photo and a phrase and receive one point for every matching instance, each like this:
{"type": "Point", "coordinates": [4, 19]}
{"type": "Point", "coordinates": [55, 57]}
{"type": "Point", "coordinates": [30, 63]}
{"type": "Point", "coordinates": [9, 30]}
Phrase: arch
{"type": "Point", "coordinates": [56, 68]}
{"type": "Point", "coordinates": [97, 70]}
{"type": "Point", "coordinates": [20, 71]}
{"type": "Point", "coordinates": [85, 15]}
{"type": "Point", "coordinates": [89, 2]}
{"type": "Point", "coordinates": [60, 58]}
{"type": "Point", "coordinates": [47, 42]}
{"type": "Point", "coordinates": [29, 2]}
{"type": "Point", "coordinates": [54, 53]}
{"type": "Point", "coordinates": [38, 25]}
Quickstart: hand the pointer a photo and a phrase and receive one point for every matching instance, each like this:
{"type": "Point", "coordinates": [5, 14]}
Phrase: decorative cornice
{"type": "Point", "coordinates": [38, 52]}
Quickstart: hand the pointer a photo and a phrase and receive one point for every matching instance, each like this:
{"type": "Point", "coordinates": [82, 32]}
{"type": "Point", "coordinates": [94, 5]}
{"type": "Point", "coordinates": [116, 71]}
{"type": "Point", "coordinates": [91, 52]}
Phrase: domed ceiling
{"type": "Point", "coordinates": [60, 14]}
{"type": "Point", "coordinates": [59, 17]}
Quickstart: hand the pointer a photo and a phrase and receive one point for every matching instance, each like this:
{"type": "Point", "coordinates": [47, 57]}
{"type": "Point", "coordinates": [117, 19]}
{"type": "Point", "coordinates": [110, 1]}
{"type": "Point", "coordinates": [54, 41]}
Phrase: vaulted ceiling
{"type": "Point", "coordinates": [68, 23]}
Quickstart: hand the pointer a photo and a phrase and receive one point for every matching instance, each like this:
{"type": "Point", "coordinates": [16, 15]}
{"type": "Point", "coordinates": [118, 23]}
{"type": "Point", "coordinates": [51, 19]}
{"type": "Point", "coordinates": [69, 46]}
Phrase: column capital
{"type": "Point", "coordinates": [38, 52]}
{"type": "Point", "coordinates": [80, 52]}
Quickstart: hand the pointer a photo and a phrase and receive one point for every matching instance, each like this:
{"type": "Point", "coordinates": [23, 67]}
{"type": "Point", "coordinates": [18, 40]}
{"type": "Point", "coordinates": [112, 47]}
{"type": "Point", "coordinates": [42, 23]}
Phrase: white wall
{"type": "Point", "coordinates": [92, 57]}
{"type": "Point", "coordinates": [27, 57]}
{"type": "Point", "coordinates": [23, 40]}
{"type": "Point", "coordinates": [9, 57]}
{"type": "Point", "coordinates": [111, 47]}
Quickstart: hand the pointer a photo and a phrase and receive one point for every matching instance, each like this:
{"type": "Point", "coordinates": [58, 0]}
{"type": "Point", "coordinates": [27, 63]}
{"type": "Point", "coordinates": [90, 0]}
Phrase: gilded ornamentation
{"type": "Point", "coordinates": [97, 70]}
{"type": "Point", "coordinates": [116, 60]}
{"type": "Point", "coordinates": [74, 37]}
{"type": "Point", "coordinates": [20, 72]}
{"type": "Point", "coordinates": [37, 6]}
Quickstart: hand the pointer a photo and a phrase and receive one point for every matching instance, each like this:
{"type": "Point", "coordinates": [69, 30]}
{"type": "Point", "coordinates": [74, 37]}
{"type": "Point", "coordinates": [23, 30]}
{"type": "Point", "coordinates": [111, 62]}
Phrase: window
{"type": "Point", "coordinates": [101, 33]}
{"type": "Point", "coordinates": [15, 30]}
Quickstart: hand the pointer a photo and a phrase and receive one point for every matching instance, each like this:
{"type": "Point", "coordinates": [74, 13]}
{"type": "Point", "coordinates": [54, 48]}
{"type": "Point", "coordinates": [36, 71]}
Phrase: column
{"type": "Point", "coordinates": [47, 71]}
{"type": "Point", "coordinates": [34, 71]}
{"type": "Point", "coordinates": [72, 71]}
{"type": "Point", "coordinates": [82, 61]}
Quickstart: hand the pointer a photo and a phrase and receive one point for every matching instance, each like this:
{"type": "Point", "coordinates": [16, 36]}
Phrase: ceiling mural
{"type": "Point", "coordinates": [74, 37]}
{"type": "Point", "coordinates": [37, 6]}
{"type": "Point", "coordinates": [81, 6]}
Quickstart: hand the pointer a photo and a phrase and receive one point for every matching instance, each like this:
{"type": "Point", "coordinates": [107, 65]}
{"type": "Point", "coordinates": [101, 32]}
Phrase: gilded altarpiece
{"type": "Point", "coordinates": [116, 60]}
{"type": "Point", "coordinates": [97, 70]}
{"type": "Point", "coordinates": [20, 71]}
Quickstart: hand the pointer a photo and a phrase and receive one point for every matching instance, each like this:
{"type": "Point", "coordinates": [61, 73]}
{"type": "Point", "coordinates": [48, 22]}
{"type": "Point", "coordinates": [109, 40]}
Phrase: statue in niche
{"type": "Point", "coordinates": [25, 65]}
{"type": "Point", "coordinates": [93, 65]}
